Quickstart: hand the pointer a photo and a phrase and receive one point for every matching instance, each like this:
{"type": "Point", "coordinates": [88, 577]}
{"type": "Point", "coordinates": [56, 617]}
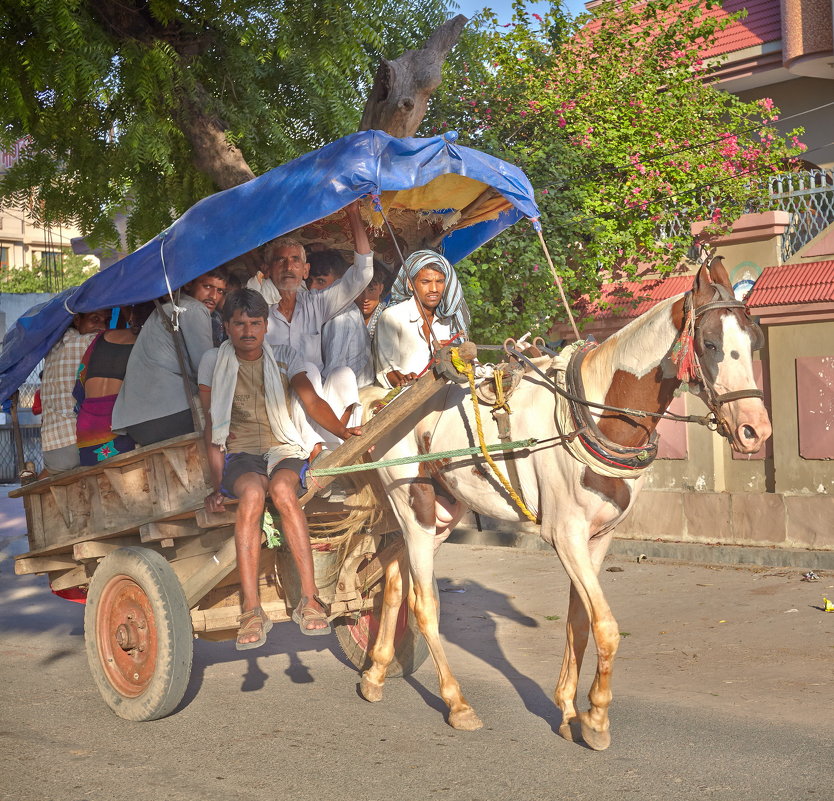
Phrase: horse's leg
{"type": "Point", "coordinates": [582, 562]}
{"type": "Point", "coordinates": [382, 653]}
{"type": "Point", "coordinates": [421, 548]}
{"type": "Point", "coordinates": [577, 628]}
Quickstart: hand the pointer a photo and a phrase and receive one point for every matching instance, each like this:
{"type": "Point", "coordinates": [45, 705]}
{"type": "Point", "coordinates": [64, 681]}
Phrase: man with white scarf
{"type": "Point", "coordinates": [427, 304]}
{"type": "Point", "coordinates": [255, 448]}
{"type": "Point", "coordinates": [298, 316]}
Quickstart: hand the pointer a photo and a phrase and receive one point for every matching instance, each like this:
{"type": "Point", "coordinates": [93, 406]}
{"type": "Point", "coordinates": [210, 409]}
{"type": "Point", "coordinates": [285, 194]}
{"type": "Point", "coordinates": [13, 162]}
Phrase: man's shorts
{"type": "Point", "coordinates": [238, 464]}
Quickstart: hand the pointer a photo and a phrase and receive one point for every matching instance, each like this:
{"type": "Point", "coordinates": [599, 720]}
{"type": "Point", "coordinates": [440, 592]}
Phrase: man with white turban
{"type": "Point", "coordinates": [426, 295]}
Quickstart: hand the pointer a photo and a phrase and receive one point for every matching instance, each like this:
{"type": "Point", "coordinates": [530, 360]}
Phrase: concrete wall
{"type": "Point", "coordinates": [14, 306]}
{"type": "Point", "coordinates": [800, 95]}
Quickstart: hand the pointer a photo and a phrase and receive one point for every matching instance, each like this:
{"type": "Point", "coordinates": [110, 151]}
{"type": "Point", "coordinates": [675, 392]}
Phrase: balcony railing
{"type": "Point", "coordinates": [807, 195]}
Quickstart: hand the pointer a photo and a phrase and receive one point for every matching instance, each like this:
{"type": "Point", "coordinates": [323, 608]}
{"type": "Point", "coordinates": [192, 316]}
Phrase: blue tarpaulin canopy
{"type": "Point", "coordinates": [221, 227]}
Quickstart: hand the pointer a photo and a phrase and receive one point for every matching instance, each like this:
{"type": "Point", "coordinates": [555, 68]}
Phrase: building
{"type": "Point", "coordinates": [23, 243]}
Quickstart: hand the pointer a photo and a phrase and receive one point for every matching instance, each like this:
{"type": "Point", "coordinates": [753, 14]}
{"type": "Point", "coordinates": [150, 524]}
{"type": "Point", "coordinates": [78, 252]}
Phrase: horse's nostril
{"type": "Point", "coordinates": [748, 432]}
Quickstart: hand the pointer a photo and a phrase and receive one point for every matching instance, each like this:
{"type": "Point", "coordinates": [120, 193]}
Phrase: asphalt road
{"type": "Point", "coordinates": [723, 690]}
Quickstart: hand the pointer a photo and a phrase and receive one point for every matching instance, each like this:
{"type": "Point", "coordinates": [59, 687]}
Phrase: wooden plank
{"type": "Point", "coordinates": [177, 461]}
{"type": "Point", "coordinates": [206, 519]}
{"type": "Point", "coordinates": [69, 578]}
{"type": "Point", "coordinates": [42, 564]}
{"type": "Point", "coordinates": [60, 495]}
{"type": "Point", "coordinates": [163, 530]}
{"type": "Point", "coordinates": [96, 549]}
{"type": "Point", "coordinates": [215, 567]}
{"type": "Point", "coordinates": [385, 421]}
{"type": "Point", "coordinates": [123, 459]}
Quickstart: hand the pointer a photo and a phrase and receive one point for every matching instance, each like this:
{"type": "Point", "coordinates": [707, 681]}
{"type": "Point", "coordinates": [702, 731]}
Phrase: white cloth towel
{"type": "Point", "coordinates": [223, 386]}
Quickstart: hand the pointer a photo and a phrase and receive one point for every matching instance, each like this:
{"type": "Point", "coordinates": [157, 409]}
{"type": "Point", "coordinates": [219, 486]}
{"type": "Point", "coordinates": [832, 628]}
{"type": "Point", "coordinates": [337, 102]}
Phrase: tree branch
{"type": "Point", "coordinates": [402, 87]}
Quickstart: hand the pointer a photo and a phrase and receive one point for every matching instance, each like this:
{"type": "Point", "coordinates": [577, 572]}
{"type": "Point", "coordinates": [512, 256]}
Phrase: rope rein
{"type": "Point", "coordinates": [467, 369]}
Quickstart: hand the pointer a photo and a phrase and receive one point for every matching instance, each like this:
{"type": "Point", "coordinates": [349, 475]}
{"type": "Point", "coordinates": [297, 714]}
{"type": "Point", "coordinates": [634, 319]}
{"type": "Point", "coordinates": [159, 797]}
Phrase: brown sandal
{"type": "Point", "coordinates": [303, 614]}
{"type": "Point", "coordinates": [250, 623]}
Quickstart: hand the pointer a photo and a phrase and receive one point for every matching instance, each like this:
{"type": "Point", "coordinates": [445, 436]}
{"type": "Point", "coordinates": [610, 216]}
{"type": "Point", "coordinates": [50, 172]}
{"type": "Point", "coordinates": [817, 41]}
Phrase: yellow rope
{"type": "Point", "coordinates": [500, 399]}
{"type": "Point", "coordinates": [466, 368]}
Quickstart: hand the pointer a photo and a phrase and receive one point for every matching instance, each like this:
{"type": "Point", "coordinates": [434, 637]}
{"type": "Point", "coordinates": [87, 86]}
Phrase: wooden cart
{"type": "Point", "coordinates": [159, 569]}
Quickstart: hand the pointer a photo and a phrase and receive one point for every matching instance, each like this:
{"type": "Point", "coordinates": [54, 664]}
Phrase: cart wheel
{"type": "Point", "coordinates": [138, 634]}
{"type": "Point", "coordinates": [356, 637]}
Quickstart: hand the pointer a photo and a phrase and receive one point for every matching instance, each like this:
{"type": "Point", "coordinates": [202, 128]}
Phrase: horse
{"type": "Point", "coordinates": [703, 336]}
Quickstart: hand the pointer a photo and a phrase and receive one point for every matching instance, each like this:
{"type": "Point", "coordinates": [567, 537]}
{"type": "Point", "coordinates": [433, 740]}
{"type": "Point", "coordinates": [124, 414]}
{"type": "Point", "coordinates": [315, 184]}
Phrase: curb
{"type": "Point", "coordinates": [696, 552]}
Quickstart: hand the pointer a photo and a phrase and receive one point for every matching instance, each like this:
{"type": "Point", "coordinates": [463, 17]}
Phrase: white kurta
{"type": "Point", "coordinates": [314, 309]}
{"type": "Point", "coordinates": [399, 343]}
{"type": "Point", "coordinates": [346, 343]}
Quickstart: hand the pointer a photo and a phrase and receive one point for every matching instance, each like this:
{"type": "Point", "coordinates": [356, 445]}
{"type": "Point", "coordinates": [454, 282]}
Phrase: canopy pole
{"type": "Point", "coordinates": [558, 281]}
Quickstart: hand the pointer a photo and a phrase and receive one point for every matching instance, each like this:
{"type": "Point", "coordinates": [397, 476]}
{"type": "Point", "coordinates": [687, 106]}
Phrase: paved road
{"type": "Point", "coordinates": [723, 690]}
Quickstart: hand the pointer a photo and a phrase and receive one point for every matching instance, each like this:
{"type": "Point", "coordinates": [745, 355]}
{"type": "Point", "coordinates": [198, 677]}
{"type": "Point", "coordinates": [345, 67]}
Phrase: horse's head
{"type": "Point", "coordinates": [724, 340]}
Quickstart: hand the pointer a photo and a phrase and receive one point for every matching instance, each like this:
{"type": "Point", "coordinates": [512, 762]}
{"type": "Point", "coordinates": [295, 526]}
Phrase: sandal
{"type": "Point", "coordinates": [305, 614]}
{"type": "Point", "coordinates": [249, 623]}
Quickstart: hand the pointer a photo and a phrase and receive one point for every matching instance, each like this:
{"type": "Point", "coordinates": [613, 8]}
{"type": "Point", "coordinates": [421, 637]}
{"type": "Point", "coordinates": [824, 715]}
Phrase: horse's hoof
{"type": "Point", "coordinates": [597, 740]}
{"type": "Point", "coordinates": [465, 720]}
{"type": "Point", "coordinates": [370, 690]}
{"type": "Point", "coordinates": [570, 730]}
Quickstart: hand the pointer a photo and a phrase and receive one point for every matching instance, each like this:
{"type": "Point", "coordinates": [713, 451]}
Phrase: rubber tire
{"type": "Point", "coordinates": [410, 648]}
{"type": "Point", "coordinates": [127, 580]}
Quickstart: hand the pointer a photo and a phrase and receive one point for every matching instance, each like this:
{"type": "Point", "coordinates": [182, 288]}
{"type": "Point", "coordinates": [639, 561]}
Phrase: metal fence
{"type": "Point", "coordinates": [31, 436]}
{"type": "Point", "coordinates": [809, 197]}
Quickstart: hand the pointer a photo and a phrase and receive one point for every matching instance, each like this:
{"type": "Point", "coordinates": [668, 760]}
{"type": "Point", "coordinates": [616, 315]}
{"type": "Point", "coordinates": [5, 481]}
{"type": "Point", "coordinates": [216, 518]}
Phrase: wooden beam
{"type": "Point", "coordinates": [98, 549]}
{"type": "Point", "coordinates": [352, 450]}
{"type": "Point", "coordinates": [69, 578]}
{"type": "Point", "coordinates": [167, 530]}
{"type": "Point", "coordinates": [43, 564]}
{"type": "Point", "coordinates": [216, 567]}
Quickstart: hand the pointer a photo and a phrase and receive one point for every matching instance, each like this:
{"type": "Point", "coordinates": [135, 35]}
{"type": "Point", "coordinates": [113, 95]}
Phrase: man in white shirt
{"type": "Point", "coordinates": [298, 317]}
{"type": "Point", "coordinates": [427, 305]}
{"type": "Point", "coordinates": [243, 389]}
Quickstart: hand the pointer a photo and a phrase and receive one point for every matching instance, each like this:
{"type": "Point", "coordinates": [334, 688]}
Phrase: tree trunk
{"type": "Point", "coordinates": [402, 87]}
{"type": "Point", "coordinates": [212, 153]}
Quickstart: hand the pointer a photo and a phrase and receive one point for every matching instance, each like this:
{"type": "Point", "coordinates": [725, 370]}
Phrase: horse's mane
{"type": "Point", "coordinates": [637, 348]}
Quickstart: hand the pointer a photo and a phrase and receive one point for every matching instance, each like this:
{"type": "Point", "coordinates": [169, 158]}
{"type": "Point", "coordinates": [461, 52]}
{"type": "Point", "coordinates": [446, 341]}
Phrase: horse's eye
{"type": "Point", "coordinates": [710, 345]}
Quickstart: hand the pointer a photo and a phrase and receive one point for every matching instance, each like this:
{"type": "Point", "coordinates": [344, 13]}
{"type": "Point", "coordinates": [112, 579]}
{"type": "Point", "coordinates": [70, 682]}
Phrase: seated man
{"type": "Point", "coordinates": [60, 451]}
{"type": "Point", "coordinates": [298, 317]}
{"type": "Point", "coordinates": [153, 405]}
{"type": "Point", "coordinates": [403, 342]}
{"type": "Point", "coordinates": [243, 389]}
{"type": "Point", "coordinates": [344, 339]}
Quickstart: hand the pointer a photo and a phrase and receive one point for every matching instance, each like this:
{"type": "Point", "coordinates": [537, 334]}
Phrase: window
{"type": "Point", "coordinates": [50, 260]}
{"type": "Point", "coordinates": [4, 257]}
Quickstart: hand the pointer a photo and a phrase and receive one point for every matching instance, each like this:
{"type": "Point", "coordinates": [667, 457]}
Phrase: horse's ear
{"type": "Point", "coordinates": [702, 290]}
{"type": "Point", "coordinates": [718, 273]}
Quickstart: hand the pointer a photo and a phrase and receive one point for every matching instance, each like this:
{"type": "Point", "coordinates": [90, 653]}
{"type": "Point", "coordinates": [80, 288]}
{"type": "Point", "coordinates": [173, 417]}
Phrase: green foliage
{"type": "Point", "coordinates": [72, 271]}
{"type": "Point", "coordinates": [100, 87]}
{"type": "Point", "coordinates": [614, 118]}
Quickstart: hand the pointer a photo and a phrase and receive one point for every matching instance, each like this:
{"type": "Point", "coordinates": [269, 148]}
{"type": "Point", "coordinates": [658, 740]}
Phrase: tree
{"type": "Point", "coordinates": [146, 106]}
{"type": "Point", "coordinates": [616, 120]}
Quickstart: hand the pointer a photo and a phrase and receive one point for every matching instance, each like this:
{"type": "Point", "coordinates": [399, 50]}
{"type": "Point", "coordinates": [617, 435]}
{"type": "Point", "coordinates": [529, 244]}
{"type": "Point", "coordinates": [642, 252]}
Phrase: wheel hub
{"type": "Point", "coordinates": [127, 637]}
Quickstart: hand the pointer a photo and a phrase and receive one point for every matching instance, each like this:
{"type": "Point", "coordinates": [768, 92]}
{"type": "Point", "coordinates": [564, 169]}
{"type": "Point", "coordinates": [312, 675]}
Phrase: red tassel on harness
{"type": "Point", "coordinates": [683, 355]}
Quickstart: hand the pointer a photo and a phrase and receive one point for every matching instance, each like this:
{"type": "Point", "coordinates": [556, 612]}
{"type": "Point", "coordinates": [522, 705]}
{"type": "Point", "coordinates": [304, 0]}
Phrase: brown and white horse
{"type": "Point", "coordinates": [639, 368]}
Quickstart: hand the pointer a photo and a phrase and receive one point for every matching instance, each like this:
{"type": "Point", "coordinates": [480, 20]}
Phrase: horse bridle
{"type": "Point", "coordinates": [713, 399]}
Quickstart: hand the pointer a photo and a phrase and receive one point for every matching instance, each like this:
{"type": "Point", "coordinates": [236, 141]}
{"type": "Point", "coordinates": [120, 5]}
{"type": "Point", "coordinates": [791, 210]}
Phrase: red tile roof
{"type": "Point", "coordinates": [792, 284]}
{"type": "Point", "coordinates": [762, 24]}
{"type": "Point", "coordinates": [627, 299]}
